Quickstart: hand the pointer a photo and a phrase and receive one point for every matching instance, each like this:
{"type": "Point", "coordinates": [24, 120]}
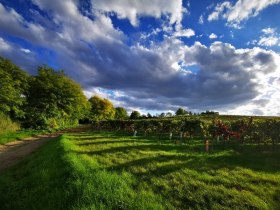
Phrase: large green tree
{"type": "Point", "coordinates": [54, 100]}
{"type": "Point", "coordinates": [13, 87]}
{"type": "Point", "coordinates": [120, 113]}
{"type": "Point", "coordinates": [181, 111]}
{"type": "Point", "coordinates": [101, 109]}
{"type": "Point", "coordinates": [135, 115]}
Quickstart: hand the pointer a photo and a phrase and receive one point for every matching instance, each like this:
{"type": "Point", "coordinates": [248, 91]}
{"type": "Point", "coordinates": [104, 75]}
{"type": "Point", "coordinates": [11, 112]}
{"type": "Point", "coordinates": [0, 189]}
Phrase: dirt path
{"type": "Point", "coordinates": [13, 152]}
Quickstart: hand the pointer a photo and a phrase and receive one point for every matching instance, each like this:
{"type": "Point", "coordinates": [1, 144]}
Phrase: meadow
{"type": "Point", "coordinates": [104, 170]}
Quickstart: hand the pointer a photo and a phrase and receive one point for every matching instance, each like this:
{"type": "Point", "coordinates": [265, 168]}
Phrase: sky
{"type": "Point", "coordinates": [154, 55]}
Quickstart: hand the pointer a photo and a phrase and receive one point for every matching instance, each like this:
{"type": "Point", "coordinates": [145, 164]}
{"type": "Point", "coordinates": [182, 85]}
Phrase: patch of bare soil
{"type": "Point", "coordinates": [13, 152]}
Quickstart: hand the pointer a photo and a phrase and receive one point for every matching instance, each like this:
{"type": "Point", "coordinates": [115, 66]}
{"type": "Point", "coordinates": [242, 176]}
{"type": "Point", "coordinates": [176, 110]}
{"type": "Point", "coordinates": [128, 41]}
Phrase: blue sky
{"type": "Point", "coordinates": [154, 55]}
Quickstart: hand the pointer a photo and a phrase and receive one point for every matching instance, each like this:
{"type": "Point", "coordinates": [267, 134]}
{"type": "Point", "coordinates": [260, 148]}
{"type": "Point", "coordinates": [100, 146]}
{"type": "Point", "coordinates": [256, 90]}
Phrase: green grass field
{"type": "Point", "coordinates": [108, 171]}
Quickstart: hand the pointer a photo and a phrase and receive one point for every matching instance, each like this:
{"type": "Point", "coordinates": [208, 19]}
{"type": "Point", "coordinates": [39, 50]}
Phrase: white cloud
{"type": "Point", "coordinates": [242, 74]}
{"type": "Point", "coordinates": [133, 9]}
{"type": "Point", "coordinates": [25, 50]}
{"type": "Point", "coordinates": [268, 41]}
{"type": "Point", "coordinates": [156, 77]}
{"type": "Point", "coordinates": [269, 30]}
{"type": "Point", "coordinates": [4, 46]}
{"type": "Point", "coordinates": [14, 23]}
{"type": "Point", "coordinates": [240, 11]}
{"type": "Point", "coordinates": [219, 9]}
{"type": "Point", "coordinates": [245, 9]}
{"type": "Point", "coordinates": [184, 33]}
{"type": "Point", "coordinates": [269, 38]}
{"type": "Point", "coordinates": [201, 19]}
{"type": "Point", "coordinates": [12, 51]}
{"type": "Point", "coordinates": [213, 36]}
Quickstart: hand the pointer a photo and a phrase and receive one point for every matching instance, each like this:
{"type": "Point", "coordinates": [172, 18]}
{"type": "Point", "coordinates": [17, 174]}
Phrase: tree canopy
{"type": "Point", "coordinates": [181, 111]}
{"type": "Point", "coordinates": [54, 99]}
{"type": "Point", "coordinates": [135, 115]}
{"type": "Point", "coordinates": [13, 87]}
{"type": "Point", "coordinates": [120, 113]}
{"type": "Point", "coordinates": [101, 109]}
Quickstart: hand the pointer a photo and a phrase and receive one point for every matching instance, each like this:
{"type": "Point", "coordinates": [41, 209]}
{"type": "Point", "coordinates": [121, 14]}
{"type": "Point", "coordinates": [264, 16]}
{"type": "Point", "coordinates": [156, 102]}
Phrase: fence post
{"type": "Point", "coordinates": [206, 145]}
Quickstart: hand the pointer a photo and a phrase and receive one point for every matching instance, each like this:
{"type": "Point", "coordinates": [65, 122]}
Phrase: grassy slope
{"type": "Point", "coordinates": [103, 171]}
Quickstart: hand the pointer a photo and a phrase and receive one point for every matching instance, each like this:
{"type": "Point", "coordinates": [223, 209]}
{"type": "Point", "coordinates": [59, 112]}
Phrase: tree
{"type": "Point", "coordinates": [54, 100]}
{"type": "Point", "coordinates": [135, 115]}
{"type": "Point", "coordinates": [120, 113]}
{"type": "Point", "coordinates": [180, 111]}
{"type": "Point", "coordinates": [162, 114]}
{"type": "Point", "coordinates": [209, 113]}
{"type": "Point", "coordinates": [149, 115]}
{"type": "Point", "coordinates": [168, 114]}
{"type": "Point", "coordinates": [101, 109]}
{"type": "Point", "coordinates": [143, 116]}
{"type": "Point", "coordinates": [13, 87]}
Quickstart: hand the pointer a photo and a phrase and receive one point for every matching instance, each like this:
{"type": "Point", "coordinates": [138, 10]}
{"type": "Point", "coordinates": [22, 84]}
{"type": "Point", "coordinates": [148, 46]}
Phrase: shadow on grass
{"type": "Point", "coordinates": [148, 147]}
{"type": "Point", "coordinates": [115, 142]}
{"type": "Point", "coordinates": [200, 161]}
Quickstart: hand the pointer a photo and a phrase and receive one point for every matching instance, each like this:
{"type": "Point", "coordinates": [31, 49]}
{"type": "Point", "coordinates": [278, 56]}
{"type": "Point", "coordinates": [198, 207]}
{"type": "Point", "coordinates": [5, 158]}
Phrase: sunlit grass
{"type": "Point", "coordinates": [18, 135]}
{"type": "Point", "coordinates": [108, 171]}
{"type": "Point", "coordinates": [185, 176]}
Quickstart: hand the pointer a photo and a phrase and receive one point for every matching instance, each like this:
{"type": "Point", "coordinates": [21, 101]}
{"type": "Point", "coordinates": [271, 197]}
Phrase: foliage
{"type": "Point", "coordinates": [181, 111]}
{"type": "Point", "coordinates": [7, 125]}
{"type": "Point", "coordinates": [54, 100]}
{"type": "Point", "coordinates": [209, 113]}
{"type": "Point", "coordinates": [120, 113]}
{"type": "Point", "coordinates": [101, 109]}
{"type": "Point", "coordinates": [135, 115]}
{"type": "Point", "coordinates": [13, 86]}
{"type": "Point", "coordinates": [242, 132]}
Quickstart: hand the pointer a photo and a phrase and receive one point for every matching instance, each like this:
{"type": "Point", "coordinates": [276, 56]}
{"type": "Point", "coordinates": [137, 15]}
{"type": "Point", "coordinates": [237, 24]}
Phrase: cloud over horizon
{"type": "Point", "coordinates": [163, 71]}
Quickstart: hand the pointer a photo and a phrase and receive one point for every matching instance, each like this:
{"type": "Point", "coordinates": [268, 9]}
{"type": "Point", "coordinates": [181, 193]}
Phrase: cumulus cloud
{"type": "Point", "coordinates": [228, 74]}
{"type": "Point", "coordinates": [133, 9]}
{"type": "Point", "coordinates": [227, 77]}
{"type": "Point", "coordinates": [240, 11]}
{"type": "Point", "coordinates": [268, 41]}
{"type": "Point", "coordinates": [269, 30]}
{"type": "Point", "coordinates": [219, 10]}
{"type": "Point", "coordinates": [184, 33]}
{"type": "Point", "coordinates": [269, 38]}
{"type": "Point", "coordinates": [159, 76]}
{"type": "Point", "coordinates": [13, 23]}
{"type": "Point", "coordinates": [213, 36]}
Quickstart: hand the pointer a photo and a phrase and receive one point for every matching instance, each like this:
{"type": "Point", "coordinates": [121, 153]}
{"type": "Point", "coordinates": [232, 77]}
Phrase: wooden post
{"type": "Point", "coordinates": [206, 145]}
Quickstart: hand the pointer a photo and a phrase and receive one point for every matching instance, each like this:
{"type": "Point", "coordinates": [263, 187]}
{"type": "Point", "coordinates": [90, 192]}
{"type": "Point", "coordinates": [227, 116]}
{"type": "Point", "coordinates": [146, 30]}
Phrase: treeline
{"type": "Point", "coordinates": [47, 100]}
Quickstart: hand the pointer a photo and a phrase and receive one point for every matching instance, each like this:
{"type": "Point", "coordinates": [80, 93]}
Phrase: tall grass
{"type": "Point", "coordinates": [6, 125]}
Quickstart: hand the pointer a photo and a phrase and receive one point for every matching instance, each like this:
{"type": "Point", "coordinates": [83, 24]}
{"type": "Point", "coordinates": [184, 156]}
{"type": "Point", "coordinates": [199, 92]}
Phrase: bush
{"type": "Point", "coordinates": [6, 125]}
